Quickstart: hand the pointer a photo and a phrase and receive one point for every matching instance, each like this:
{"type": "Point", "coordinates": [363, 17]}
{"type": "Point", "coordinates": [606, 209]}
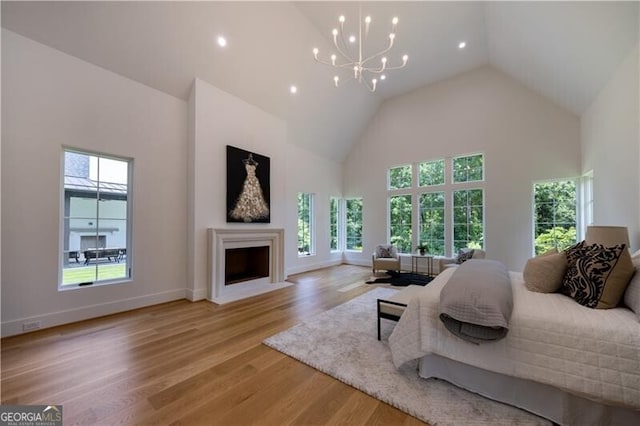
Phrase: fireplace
{"type": "Point", "coordinates": [245, 264]}
{"type": "Point", "coordinates": [233, 267]}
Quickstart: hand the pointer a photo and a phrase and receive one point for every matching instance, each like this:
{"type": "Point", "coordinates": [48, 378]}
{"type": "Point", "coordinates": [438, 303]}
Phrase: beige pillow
{"type": "Point", "coordinates": [544, 273]}
{"type": "Point", "coordinates": [632, 294]}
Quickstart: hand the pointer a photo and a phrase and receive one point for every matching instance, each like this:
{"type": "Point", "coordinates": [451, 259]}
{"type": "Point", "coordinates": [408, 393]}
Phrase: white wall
{"type": "Point", "coordinates": [50, 99]}
{"type": "Point", "coordinates": [610, 147]}
{"type": "Point", "coordinates": [524, 138]}
{"type": "Point", "coordinates": [308, 172]}
{"type": "Point", "coordinates": [220, 119]}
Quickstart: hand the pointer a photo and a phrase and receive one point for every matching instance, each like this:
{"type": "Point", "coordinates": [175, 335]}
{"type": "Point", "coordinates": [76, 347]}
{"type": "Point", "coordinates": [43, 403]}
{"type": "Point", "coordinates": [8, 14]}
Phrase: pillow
{"type": "Point", "coordinates": [464, 255]}
{"type": "Point", "coordinates": [544, 273]}
{"type": "Point", "coordinates": [632, 294]}
{"type": "Point", "coordinates": [385, 252]}
{"type": "Point", "coordinates": [597, 276]}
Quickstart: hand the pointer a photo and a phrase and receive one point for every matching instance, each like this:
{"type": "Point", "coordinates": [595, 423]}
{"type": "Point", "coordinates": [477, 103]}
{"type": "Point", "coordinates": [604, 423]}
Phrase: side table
{"type": "Point", "coordinates": [429, 263]}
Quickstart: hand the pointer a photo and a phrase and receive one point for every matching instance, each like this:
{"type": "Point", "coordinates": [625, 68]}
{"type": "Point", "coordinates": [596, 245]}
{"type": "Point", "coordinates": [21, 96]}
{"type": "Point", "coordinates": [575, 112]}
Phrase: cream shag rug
{"type": "Point", "coordinates": [342, 342]}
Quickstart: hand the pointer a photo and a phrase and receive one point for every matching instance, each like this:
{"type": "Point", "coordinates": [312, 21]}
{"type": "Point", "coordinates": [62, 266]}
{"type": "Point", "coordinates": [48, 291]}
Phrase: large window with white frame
{"type": "Point", "coordinates": [400, 222]}
{"type": "Point", "coordinates": [305, 224]}
{"type": "Point", "coordinates": [418, 211]}
{"type": "Point", "coordinates": [586, 200]}
{"type": "Point", "coordinates": [555, 218]}
{"type": "Point", "coordinates": [353, 224]}
{"type": "Point", "coordinates": [334, 224]}
{"type": "Point", "coordinates": [96, 219]}
{"type": "Point", "coordinates": [468, 219]}
{"type": "Point", "coordinates": [432, 222]}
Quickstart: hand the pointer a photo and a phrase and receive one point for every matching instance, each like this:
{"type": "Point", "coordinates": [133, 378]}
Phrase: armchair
{"type": "Point", "coordinates": [385, 257]}
{"type": "Point", "coordinates": [463, 254]}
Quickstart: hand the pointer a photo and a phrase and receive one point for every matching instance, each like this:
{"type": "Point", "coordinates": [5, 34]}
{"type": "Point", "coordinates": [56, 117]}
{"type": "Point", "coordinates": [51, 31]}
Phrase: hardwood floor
{"type": "Point", "coordinates": [192, 363]}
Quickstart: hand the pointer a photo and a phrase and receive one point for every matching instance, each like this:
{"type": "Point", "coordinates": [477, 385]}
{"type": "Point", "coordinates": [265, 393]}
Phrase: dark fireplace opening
{"type": "Point", "coordinates": [245, 264]}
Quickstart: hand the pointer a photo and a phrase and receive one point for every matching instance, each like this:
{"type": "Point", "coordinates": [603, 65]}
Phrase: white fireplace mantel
{"type": "Point", "coordinates": [221, 239]}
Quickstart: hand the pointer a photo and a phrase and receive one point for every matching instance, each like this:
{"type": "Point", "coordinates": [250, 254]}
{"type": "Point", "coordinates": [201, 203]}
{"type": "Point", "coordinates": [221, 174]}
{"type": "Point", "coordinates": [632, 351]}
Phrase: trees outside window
{"type": "Point", "coordinates": [334, 220]}
{"type": "Point", "coordinates": [554, 215]}
{"type": "Point", "coordinates": [469, 168]}
{"type": "Point", "coordinates": [305, 224]}
{"type": "Point", "coordinates": [96, 225]}
{"type": "Point", "coordinates": [468, 219]}
{"type": "Point", "coordinates": [432, 222]}
{"type": "Point", "coordinates": [400, 177]}
{"type": "Point", "coordinates": [400, 234]}
{"type": "Point", "coordinates": [431, 173]}
{"type": "Point", "coordinates": [354, 224]}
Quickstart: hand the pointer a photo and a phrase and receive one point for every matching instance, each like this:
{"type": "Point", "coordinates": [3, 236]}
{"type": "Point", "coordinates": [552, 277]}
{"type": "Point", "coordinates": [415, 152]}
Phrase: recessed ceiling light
{"type": "Point", "coordinates": [293, 89]}
{"type": "Point", "coordinates": [383, 77]}
{"type": "Point", "coordinates": [462, 45]}
{"type": "Point", "coordinates": [222, 42]}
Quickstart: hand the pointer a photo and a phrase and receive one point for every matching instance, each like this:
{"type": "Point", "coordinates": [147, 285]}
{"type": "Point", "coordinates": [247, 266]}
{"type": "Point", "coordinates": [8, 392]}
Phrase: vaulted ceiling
{"type": "Point", "coordinates": [566, 51]}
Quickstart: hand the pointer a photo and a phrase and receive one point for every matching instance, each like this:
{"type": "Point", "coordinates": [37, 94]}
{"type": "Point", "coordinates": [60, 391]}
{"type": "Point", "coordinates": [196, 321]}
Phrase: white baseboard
{"type": "Point", "coordinates": [196, 295]}
{"type": "Point", "coordinates": [13, 327]}
{"type": "Point", "coordinates": [313, 266]}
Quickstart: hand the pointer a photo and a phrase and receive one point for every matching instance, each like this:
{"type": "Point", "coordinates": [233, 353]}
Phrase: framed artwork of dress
{"type": "Point", "coordinates": [248, 186]}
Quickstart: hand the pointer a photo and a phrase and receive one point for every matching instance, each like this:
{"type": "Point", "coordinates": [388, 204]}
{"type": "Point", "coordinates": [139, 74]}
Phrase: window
{"type": "Point", "coordinates": [431, 173]}
{"type": "Point", "coordinates": [334, 215]}
{"type": "Point", "coordinates": [468, 168]}
{"type": "Point", "coordinates": [96, 225]}
{"type": "Point", "coordinates": [305, 224]}
{"type": "Point", "coordinates": [400, 222]}
{"type": "Point", "coordinates": [400, 177]}
{"type": "Point", "coordinates": [554, 215]}
{"type": "Point", "coordinates": [432, 222]}
{"type": "Point", "coordinates": [468, 219]}
{"type": "Point", "coordinates": [586, 218]}
{"type": "Point", "coordinates": [354, 224]}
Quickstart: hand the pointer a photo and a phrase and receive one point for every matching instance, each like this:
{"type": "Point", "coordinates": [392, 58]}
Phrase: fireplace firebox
{"type": "Point", "coordinates": [246, 264]}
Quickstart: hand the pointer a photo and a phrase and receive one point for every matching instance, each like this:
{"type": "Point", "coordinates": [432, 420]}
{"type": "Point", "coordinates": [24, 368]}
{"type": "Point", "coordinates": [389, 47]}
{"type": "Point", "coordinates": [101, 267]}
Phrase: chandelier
{"type": "Point", "coordinates": [365, 69]}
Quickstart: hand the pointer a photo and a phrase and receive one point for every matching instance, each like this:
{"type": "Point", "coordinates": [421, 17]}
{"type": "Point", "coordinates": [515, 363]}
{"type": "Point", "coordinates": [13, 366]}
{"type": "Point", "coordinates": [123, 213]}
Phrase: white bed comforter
{"type": "Point", "coordinates": [552, 339]}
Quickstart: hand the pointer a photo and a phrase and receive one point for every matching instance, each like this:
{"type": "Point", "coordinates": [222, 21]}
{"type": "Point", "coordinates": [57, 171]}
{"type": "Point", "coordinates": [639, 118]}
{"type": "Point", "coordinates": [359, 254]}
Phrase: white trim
{"type": "Point", "coordinates": [314, 266]}
{"type": "Point", "coordinates": [13, 327]}
{"type": "Point", "coordinates": [195, 295]}
{"type": "Point", "coordinates": [220, 239]}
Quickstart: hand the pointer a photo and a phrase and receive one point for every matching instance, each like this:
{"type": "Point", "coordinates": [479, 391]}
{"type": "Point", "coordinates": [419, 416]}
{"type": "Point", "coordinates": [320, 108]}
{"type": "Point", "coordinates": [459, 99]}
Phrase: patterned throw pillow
{"type": "Point", "coordinates": [597, 275]}
{"type": "Point", "coordinates": [384, 252]}
{"type": "Point", "coordinates": [464, 255]}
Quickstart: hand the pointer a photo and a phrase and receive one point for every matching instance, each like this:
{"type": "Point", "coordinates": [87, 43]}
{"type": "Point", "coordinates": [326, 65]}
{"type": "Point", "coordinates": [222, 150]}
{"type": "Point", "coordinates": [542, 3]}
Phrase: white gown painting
{"type": "Point", "coordinates": [250, 205]}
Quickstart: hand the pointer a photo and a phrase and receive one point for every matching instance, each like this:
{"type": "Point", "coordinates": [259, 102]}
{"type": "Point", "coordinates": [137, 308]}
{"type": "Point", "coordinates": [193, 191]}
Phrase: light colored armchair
{"type": "Point", "coordinates": [463, 254]}
{"type": "Point", "coordinates": [385, 257]}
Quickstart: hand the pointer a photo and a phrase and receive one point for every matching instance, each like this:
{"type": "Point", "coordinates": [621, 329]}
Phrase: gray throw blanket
{"type": "Point", "coordinates": [477, 301]}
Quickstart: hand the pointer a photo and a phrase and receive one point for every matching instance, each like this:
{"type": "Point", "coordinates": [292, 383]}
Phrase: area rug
{"type": "Point", "coordinates": [401, 279]}
{"type": "Point", "coordinates": [342, 343]}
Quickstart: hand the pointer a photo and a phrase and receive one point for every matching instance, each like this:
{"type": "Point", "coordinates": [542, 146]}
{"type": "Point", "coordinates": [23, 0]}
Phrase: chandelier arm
{"type": "Point", "coordinates": [397, 67]}
{"type": "Point", "coordinates": [382, 52]}
{"type": "Point", "coordinates": [340, 51]}
{"type": "Point", "coordinates": [345, 65]}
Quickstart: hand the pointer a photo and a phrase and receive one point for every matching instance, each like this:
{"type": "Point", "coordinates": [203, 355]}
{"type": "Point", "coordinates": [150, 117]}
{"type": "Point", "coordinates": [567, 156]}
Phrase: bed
{"type": "Point", "coordinates": [560, 360]}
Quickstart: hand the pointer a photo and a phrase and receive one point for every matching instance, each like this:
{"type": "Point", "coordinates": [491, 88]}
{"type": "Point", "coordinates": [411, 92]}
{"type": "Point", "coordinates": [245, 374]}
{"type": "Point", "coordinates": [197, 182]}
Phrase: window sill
{"type": "Point", "coordinates": [95, 284]}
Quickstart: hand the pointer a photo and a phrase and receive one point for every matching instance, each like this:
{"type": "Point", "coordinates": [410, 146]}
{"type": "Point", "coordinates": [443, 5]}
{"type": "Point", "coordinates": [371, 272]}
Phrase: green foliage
{"type": "Point", "coordinates": [555, 215]}
{"type": "Point", "coordinates": [468, 219]}
{"type": "Point", "coordinates": [354, 224]}
{"type": "Point", "coordinates": [559, 238]}
{"type": "Point", "coordinates": [400, 222]}
{"type": "Point", "coordinates": [333, 224]}
{"type": "Point", "coordinates": [400, 177]}
{"type": "Point", "coordinates": [431, 173]}
{"type": "Point", "coordinates": [468, 169]}
{"type": "Point", "coordinates": [432, 221]}
{"type": "Point", "coordinates": [304, 223]}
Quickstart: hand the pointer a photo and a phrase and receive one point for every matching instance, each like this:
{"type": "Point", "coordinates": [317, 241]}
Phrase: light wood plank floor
{"type": "Point", "coordinates": [192, 363]}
